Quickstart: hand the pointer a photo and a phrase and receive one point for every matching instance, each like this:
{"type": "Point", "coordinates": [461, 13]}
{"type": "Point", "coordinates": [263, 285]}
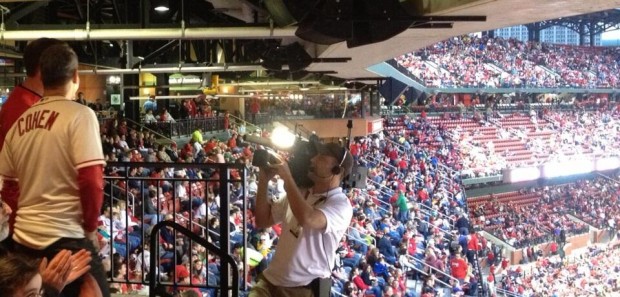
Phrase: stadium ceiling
{"type": "Point", "coordinates": [254, 33]}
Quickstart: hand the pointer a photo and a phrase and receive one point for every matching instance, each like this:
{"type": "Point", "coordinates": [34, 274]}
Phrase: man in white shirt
{"type": "Point", "coordinates": [313, 222]}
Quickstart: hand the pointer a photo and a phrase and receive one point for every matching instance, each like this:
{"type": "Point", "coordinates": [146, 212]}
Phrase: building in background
{"type": "Point", "coordinates": [555, 34]}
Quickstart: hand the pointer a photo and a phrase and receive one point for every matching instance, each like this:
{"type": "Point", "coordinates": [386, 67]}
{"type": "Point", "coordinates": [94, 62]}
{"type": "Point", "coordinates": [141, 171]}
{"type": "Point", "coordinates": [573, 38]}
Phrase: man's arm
{"type": "Point", "coordinates": [306, 215]}
{"type": "Point", "coordinates": [90, 181]}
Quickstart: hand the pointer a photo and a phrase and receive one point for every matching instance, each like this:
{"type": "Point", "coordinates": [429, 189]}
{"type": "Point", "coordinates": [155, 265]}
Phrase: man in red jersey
{"type": "Point", "coordinates": [21, 98]}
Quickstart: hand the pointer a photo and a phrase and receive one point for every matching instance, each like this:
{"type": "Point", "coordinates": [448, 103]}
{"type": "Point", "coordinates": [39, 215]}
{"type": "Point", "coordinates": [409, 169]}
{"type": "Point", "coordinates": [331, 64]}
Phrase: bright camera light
{"type": "Point", "coordinates": [282, 138]}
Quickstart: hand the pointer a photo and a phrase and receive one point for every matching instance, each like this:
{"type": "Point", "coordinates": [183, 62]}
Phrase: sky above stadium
{"type": "Point", "coordinates": [611, 35]}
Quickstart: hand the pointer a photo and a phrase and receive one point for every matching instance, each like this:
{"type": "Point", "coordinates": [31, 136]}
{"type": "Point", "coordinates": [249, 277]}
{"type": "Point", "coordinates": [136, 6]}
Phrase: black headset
{"type": "Point", "coordinates": [337, 169]}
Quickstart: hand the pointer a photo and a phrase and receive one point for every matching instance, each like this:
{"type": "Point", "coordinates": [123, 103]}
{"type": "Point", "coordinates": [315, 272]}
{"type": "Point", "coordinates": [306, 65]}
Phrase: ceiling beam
{"type": "Point", "coordinates": [26, 10]}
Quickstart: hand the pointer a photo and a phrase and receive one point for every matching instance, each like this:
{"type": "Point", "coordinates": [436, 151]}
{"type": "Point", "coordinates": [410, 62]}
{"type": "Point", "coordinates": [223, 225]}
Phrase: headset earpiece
{"type": "Point", "coordinates": [336, 170]}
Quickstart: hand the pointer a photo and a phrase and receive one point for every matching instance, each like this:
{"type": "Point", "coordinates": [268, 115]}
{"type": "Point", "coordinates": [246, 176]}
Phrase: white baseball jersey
{"type": "Point", "coordinates": [43, 151]}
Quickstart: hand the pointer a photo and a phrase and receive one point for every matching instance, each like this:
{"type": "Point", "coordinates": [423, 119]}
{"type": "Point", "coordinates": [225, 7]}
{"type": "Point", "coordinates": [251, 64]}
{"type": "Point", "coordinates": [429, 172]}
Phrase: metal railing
{"type": "Point", "coordinates": [431, 268]}
{"type": "Point", "coordinates": [229, 267]}
{"type": "Point", "coordinates": [130, 238]}
{"type": "Point", "coordinates": [442, 215]}
{"type": "Point", "coordinates": [374, 241]}
{"type": "Point", "coordinates": [150, 129]}
{"type": "Point", "coordinates": [249, 127]}
{"type": "Point", "coordinates": [186, 127]}
{"type": "Point", "coordinates": [379, 160]}
{"type": "Point", "coordinates": [502, 292]}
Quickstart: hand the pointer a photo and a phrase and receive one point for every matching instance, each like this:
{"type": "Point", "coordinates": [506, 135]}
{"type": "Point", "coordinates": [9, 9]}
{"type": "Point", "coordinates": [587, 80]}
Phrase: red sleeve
{"type": "Point", "coordinates": [359, 282]}
{"type": "Point", "coordinates": [90, 180]}
{"type": "Point", "coordinates": [9, 194]}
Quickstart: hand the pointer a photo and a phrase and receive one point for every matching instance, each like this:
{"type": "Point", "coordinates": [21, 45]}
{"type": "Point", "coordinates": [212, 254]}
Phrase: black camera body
{"type": "Point", "coordinates": [299, 162]}
{"type": "Point", "coordinates": [263, 158]}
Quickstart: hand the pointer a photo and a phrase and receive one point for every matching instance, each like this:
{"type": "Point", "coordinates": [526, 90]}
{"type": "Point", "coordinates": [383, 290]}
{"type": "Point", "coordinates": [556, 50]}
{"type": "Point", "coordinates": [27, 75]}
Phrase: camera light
{"type": "Point", "coordinates": [282, 138]}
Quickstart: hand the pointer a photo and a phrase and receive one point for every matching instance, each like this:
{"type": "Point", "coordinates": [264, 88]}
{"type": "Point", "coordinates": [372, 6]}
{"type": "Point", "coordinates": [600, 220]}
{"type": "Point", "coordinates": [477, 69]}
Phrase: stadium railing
{"type": "Point", "coordinates": [130, 233]}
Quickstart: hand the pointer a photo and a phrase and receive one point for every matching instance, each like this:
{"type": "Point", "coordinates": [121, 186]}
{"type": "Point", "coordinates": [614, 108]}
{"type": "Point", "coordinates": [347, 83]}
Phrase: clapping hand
{"type": "Point", "coordinates": [64, 268]}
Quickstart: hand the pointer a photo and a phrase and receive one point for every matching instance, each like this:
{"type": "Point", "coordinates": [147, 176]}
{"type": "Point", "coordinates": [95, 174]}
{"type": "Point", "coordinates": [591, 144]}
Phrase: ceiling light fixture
{"type": "Point", "coordinates": [161, 5]}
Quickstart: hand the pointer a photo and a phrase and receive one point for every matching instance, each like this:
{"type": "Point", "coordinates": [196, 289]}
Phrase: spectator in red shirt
{"type": "Point", "coordinates": [459, 267]}
{"type": "Point", "coordinates": [21, 98]}
{"type": "Point", "coordinates": [553, 248]}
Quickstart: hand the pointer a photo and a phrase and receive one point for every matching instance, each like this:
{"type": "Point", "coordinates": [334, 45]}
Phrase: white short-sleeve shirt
{"type": "Point", "coordinates": [44, 150]}
{"type": "Point", "coordinates": [303, 254]}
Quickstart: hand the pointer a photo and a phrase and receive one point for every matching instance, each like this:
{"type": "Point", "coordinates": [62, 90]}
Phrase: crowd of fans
{"type": "Point", "coordinates": [483, 62]}
{"type": "Point", "coordinates": [404, 223]}
{"type": "Point", "coordinates": [547, 137]}
{"type": "Point", "coordinates": [410, 221]}
{"type": "Point", "coordinates": [539, 218]}
{"type": "Point", "coordinates": [594, 273]}
{"type": "Point", "coordinates": [596, 202]}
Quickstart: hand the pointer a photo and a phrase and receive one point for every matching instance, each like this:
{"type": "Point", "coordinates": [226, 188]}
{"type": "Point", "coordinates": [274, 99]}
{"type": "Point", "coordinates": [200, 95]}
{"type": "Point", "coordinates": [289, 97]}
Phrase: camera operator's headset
{"type": "Point", "coordinates": [338, 168]}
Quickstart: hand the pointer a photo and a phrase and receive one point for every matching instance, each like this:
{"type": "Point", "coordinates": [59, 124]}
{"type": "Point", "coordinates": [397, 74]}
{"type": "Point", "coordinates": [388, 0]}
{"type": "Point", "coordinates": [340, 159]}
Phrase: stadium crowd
{"type": "Point", "coordinates": [483, 62]}
{"type": "Point", "coordinates": [404, 221]}
{"type": "Point", "coordinates": [522, 224]}
{"type": "Point", "coordinates": [411, 220]}
{"type": "Point", "coordinates": [596, 272]}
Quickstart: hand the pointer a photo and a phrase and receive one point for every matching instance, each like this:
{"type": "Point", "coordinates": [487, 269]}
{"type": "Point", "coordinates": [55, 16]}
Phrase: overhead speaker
{"type": "Point", "coordinates": [273, 58]}
{"type": "Point", "coordinates": [386, 19]}
{"type": "Point", "coordinates": [358, 22]}
{"type": "Point", "coordinates": [294, 55]}
{"type": "Point", "coordinates": [297, 57]}
{"type": "Point", "coordinates": [328, 23]}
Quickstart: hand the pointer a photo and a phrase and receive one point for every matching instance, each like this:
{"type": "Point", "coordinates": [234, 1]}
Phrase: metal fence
{"type": "Point", "coordinates": [187, 126]}
{"type": "Point", "coordinates": [154, 246]}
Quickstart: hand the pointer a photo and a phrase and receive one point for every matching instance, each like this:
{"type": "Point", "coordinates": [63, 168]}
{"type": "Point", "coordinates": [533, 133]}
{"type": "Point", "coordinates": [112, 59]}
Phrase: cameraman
{"type": "Point", "coordinates": [313, 222]}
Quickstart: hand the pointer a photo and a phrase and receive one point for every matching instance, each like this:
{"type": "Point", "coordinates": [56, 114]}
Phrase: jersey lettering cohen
{"type": "Point", "coordinates": [44, 150]}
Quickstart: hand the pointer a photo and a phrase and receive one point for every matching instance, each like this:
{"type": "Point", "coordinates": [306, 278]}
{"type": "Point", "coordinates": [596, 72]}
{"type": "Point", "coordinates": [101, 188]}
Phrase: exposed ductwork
{"type": "Point", "coordinates": [197, 69]}
{"type": "Point", "coordinates": [152, 34]}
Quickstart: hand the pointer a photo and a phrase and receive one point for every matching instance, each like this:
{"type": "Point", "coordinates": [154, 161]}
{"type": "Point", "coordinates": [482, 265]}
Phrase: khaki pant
{"type": "Point", "coordinates": [264, 288]}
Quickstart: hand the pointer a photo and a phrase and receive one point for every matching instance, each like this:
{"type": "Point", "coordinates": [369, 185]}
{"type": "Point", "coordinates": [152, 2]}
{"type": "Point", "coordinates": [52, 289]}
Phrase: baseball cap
{"type": "Point", "coordinates": [343, 156]}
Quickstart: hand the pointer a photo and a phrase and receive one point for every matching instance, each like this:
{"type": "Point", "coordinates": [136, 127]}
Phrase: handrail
{"type": "Point", "coordinates": [507, 293]}
{"type": "Point", "coordinates": [398, 146]}
{"type": "Point", "coordinates": [336, 293]}
{"type": "Point", "coordinates": [433, 268]}
{"type": "Point", "coordinates": [381, 201]}
{"type": "Point", "coordinates": [246, 123]}
{"type": "Point", "coordinates": [180, 217]}
{"type": "Point", "coordinates": [450, 170]}
{"type": "Point", "coordinates": [374, 241]}
{"type": "Point", "coordinates": [355, 239]}
{"type": "Point", "coordinates": [225, 258]}
{"type": "Point", "coordinates": [149, 129]}
{"type": "Point", "coordinates": [380, 161]}
{"type": "Point", "coordinates": [426, 273]}
{"type": "Point", "coordinates": [379, 187]}
{"type": "Point", "coordinates": [385, 203]}
{"type": "Point", "coordinates": [439, 213]}
{"type": "Point", "coordinates": [133, 197]}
